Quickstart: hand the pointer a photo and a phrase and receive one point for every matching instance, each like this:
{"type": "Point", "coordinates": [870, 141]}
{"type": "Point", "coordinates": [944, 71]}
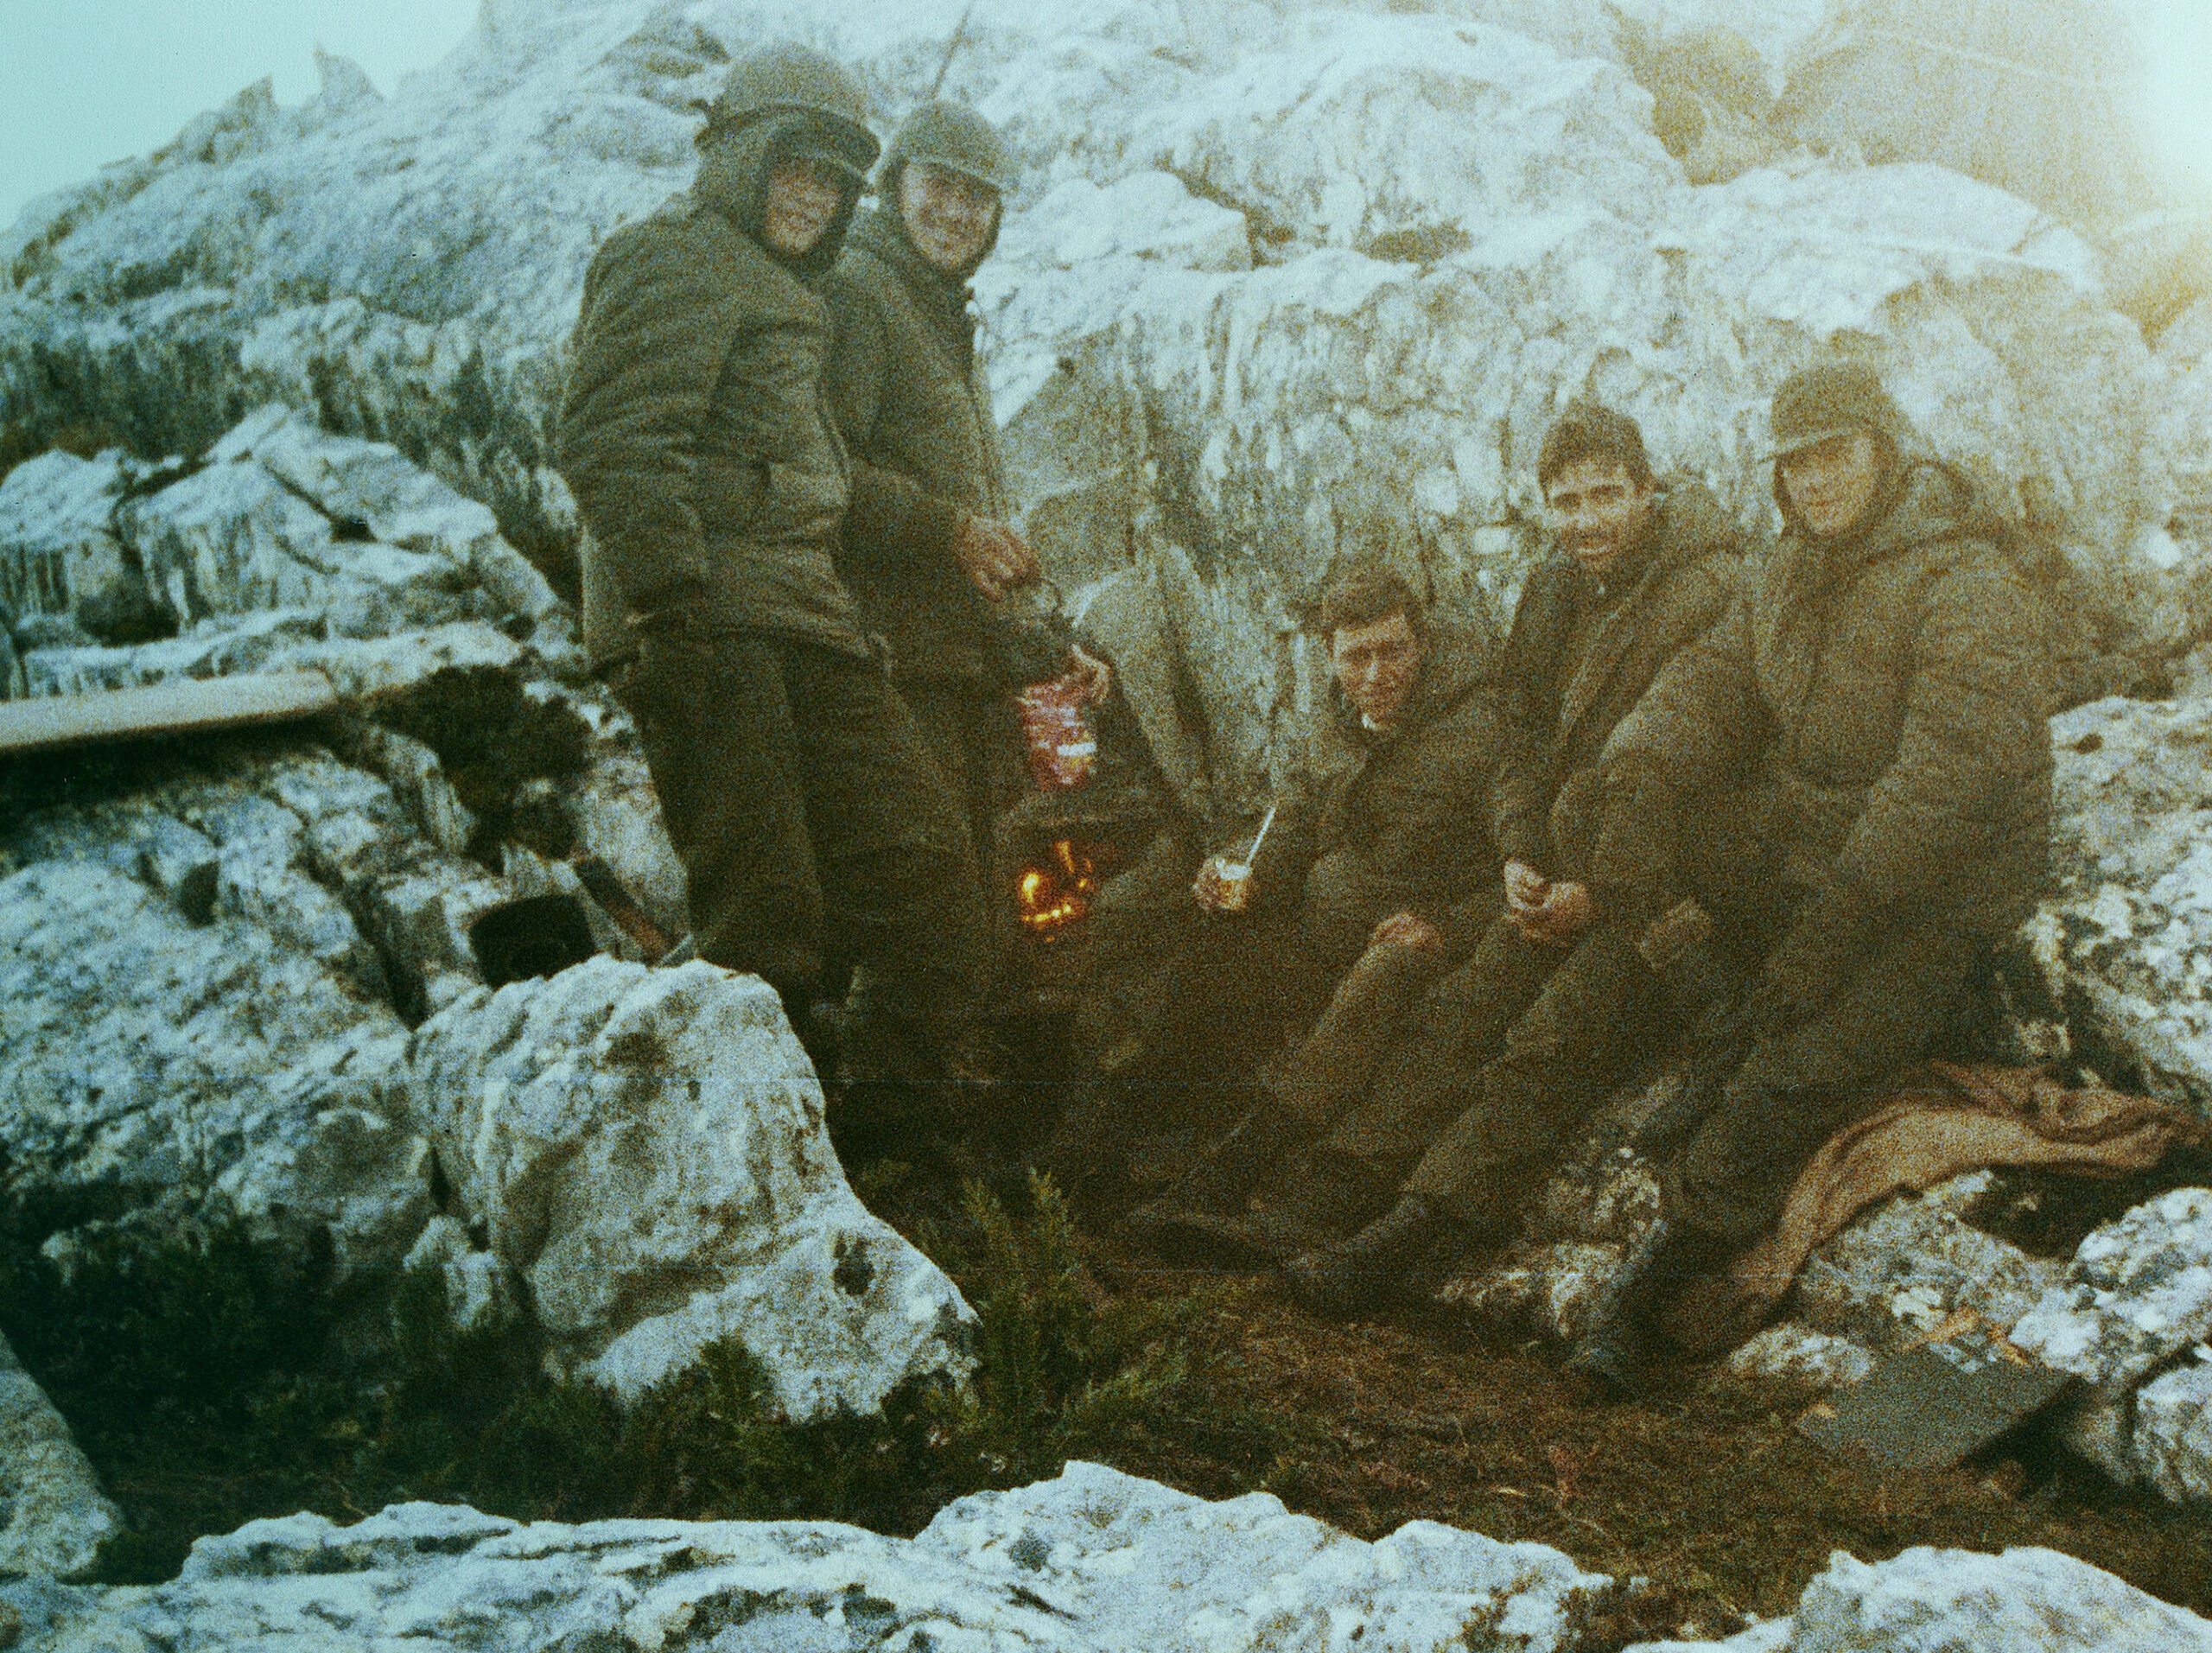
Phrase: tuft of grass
{"type": "Point", "coordinates": [1062, 1368]}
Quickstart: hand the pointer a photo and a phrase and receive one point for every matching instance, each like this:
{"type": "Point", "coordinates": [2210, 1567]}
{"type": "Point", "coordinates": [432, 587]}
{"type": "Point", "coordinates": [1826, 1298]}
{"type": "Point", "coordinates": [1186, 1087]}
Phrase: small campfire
{"type": "Point", "coordinates": [1055, 894]}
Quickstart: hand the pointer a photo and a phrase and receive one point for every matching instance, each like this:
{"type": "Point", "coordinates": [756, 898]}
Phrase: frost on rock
{"type": "Point", "coordinates": [2137, 1293]}
{"type": "Point", "coordinates": [1091, 1561]}
{"type": "Point", "coordinates": [647, 1148]}
{"type": "Point", "coordinates": [2124, 942]}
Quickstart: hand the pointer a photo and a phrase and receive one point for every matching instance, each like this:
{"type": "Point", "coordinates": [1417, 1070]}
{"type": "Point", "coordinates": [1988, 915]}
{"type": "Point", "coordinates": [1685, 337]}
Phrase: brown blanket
{"type": "Point", "coordinates": [1946, 1121]}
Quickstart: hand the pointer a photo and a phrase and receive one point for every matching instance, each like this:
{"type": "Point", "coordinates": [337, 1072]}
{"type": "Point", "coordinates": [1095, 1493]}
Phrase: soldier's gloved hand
{"type": "Point", "coordinates": [994, 555]}
{"type": "Point", "coordinates": [1564, 913]}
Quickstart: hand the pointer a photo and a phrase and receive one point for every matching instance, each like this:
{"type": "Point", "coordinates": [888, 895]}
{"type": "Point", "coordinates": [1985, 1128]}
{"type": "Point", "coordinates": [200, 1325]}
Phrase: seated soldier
{"type": "Point", "coordinates": [1385, 842]}
{"type": "Point", "coordinates": [1853, 774]}
{"type": "Point", "coordinates": [1519, 1045]}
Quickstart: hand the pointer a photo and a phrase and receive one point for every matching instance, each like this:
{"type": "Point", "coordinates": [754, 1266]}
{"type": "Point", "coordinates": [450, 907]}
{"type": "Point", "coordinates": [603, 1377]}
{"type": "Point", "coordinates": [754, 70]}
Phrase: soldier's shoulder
{"type": "Point", "coordinates": [1693, 525]}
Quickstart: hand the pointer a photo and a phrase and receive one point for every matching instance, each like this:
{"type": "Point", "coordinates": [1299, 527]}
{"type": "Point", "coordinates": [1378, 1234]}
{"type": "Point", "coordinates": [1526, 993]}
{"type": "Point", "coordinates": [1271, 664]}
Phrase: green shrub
{"type": "Point", "coordinates": [217, 1380]}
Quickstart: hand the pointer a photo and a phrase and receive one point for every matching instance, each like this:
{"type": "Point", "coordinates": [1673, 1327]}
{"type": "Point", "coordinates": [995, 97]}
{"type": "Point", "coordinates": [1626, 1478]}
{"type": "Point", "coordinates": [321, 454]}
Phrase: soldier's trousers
{"type": "Point", "coordinates": [813, 827]}
{"type": "Point", "coordinates": [1797, 1087]}
{"type": "Point", "coordinates": [968, 731]}
{"type": "Point", "coordinates": [1474, 1090]}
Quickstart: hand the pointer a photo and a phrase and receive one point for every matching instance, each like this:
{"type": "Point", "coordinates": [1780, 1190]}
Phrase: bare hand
{"type": "Point", "coordinates": [1565, 913]}
{"type": "Point", "coordinates": [1093, 674]}
{"type": "Point", "coordinates": [994, 555]}
{"type": "Point", "coordinates": [1211, 889]}
{"type": "Point", "coordinates": [1524, 887]}
{"type": "Point", "coordinates": [1406, 929]}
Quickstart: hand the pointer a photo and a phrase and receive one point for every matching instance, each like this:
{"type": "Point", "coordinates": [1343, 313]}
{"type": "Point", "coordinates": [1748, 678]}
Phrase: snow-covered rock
{"type": "Point", "coordinates": [1092, 1562]}
{"type": "Point", "coordinates": [2137, 1293]}
{"type": "Point", "coordinates": [1956, 1601]}
{"type": "Point", "coordinates": [52, 1514]}
{"type": "Point", "coordinates": [647, 1148]}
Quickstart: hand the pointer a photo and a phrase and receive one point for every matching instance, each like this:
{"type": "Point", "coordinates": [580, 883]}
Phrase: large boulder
{"type": "Point", "coordinates": [647, 1148]}
{"type": "Point", "coordinates": [2137, 1297]}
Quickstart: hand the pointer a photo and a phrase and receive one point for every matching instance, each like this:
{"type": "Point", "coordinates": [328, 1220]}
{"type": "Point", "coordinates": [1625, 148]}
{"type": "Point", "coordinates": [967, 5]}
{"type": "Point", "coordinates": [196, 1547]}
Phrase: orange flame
{"type": "Point", "coordinates": [1053, 897]}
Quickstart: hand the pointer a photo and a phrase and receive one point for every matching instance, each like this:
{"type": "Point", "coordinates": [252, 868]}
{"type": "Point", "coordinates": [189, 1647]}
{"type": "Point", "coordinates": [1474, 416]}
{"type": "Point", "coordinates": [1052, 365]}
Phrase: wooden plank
{"type": "Point", "coordinates": [182, 707]}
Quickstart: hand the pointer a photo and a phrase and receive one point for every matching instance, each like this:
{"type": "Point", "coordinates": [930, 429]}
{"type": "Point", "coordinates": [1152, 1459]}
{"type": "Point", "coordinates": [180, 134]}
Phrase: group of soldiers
{"type": "Point", "coordinates": [1768, 804]}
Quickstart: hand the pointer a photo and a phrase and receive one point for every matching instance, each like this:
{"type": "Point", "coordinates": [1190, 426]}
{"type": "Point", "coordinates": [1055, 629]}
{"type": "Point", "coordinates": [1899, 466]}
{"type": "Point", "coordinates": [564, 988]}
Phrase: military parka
{"type": "Point", "coordinates": [1582, 652]}
{"type": "Point", "coordinates": [916, 414]}
{"type": "Point", "coordinates": [1886, 698]}
{"type": "Point", "coordinates": [1399, 820]}
{"type": "Point", "coordinates": [695, 433]}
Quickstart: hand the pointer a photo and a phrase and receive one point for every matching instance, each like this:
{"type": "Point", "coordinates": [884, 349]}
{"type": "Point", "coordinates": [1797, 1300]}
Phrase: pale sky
{"type": "Point", "coordinates": [83, 82]}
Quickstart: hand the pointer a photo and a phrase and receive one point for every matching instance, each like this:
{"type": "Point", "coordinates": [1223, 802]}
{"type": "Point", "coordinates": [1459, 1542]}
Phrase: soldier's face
{"type": "Point", "coordinates": [1833, 484]}
{"type": "Point", "coordinates": [1377, 666]}
{"type": "Point", "coordinates": [1598, 511]}
{"type": "Point", "coordinates": [803, 196]}
{"type": "Point", "coordinates": [949, 215]}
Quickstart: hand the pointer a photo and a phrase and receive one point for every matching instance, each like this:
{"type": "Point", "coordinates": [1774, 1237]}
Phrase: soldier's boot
{"type": "Point", "coordinates": [1613, 1358]}
{"type": "Point", "coordinates": [1402, 1255]}
{"type": "Point", "coordinates": [1212, 1192]}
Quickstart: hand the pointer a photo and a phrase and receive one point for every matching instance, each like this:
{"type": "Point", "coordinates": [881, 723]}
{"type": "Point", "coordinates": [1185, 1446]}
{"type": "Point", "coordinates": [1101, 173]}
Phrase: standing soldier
{"type": "Point", "coordinates": [911, 401]}
{"type": "Point", "coordinates": [1852, 773]}
{"type": "Point", "coordinates": [708, 471]}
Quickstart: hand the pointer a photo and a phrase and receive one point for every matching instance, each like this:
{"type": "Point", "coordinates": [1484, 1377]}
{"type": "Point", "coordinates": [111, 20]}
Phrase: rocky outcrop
{"type": "Point", "coordinates": [1278, 282]}
{"type": "Point", "coordinates": [242, 977]}
{"type": "Point", "coordinates": [1091, 1561]}
{"type": "Point", "coordinates": [2137, 1298]}
{"type": "Point", "coordinates": [645, 1149]}
{"type": "Point", "coordinates": [2124, 946]}
{"type": "Point", "coordinates": [52, 1514]}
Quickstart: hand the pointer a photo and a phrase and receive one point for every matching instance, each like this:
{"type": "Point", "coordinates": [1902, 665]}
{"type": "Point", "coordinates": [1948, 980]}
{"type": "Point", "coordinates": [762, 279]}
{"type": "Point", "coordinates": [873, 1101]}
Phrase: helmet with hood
{"type": "Point", "coordinates": [956, 137]}
{"type": "Point", "coordinates": [781, 102]}
{"type": "Point", "coordinates": [1834, 398]}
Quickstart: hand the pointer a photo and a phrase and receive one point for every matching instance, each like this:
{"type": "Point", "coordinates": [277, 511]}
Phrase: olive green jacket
{"type": "Point", "coordinates": [1582, 652]}
{"type": "Point", "coordinates": [1885, 700]}
{"type": "Point", "coordinates": [695, 432]}
{"type": "Point", "coordinates": [1379, 824]}
{"type": "Point", "coordinates": [914, 411]}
